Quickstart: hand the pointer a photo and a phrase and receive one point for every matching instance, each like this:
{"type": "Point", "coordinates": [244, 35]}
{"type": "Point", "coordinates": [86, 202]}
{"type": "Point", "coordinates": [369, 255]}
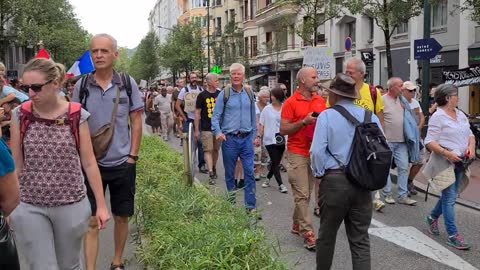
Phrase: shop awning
{"type": "Point", "coordinates": [253, 78]}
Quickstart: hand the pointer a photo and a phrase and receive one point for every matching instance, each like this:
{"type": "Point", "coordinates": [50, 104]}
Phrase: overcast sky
{"type": "Point", "coordinates": [126, 21]}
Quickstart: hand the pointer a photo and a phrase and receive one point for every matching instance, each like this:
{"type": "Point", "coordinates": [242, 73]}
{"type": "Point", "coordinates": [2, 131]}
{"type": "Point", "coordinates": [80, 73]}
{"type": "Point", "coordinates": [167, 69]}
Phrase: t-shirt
{"type": "Point", "coordinates": [190, 99]}
{"type": "Point", "coordinates": [206, 102]}
{"type": "Point", "coordinates": [366, 101]}
{"type": "Point", "coordinates": [393, 114]}
{"type": "Point", "coordinates": [7, 90]}
{"type": "Point", "coordinates": [415, 104]}
{"type": "Point", "coordinates": [164, 103]}
{"type": "Point", "coordinates": [295, 108]}
{"type": "Point", "coordinates": [270, 120]}
{"type": "Point", "coordinates": [6, 162]}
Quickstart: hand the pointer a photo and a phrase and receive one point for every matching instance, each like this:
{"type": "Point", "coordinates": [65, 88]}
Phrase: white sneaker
{"type": "Point", "coordinates": [389, 199]}
{"type": "Point", "coordinates": [283, 188]}
{"type": "Point", "coordinates": [266, 183]}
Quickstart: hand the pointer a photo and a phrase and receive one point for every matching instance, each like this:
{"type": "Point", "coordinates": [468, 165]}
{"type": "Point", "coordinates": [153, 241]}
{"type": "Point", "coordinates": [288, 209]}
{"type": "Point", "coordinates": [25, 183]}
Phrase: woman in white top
{"type": "Point", "coordinates": [269, 129]}
{"type": "Point", "coordinates": [450, 137]}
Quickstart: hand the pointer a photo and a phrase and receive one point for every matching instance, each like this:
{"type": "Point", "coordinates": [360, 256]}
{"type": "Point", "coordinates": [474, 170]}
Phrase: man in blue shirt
{"type": "Point", "coordinates": [8, 93]}
{"type": "Point", "coordinates": [233, 123]}
{"type": "Point", "coordinates": [339, 199]}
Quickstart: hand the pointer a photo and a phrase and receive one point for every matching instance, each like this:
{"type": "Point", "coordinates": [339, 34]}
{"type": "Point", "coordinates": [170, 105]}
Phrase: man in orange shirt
{"type": "Point", "coordinates": [299, 114]}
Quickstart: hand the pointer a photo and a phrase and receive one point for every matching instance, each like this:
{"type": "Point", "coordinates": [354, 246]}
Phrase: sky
{"type": "Point", "coordinates": [126, 21]}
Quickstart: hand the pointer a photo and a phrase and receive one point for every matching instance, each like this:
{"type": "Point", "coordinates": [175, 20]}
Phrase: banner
{"type": "Point", "coordinates": [463, 77]}
{"type": "Point", "coordinates": [322, 59]}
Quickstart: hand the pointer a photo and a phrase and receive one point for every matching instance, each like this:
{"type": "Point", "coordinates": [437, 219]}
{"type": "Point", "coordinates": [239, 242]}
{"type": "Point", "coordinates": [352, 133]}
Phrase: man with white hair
{"type": "Point", "coordinates": [234, 124]}
{"type": "Point", "coordinates": [370, 99]}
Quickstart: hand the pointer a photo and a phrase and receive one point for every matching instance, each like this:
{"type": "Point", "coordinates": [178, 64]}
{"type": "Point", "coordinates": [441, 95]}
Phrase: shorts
{"type": "Point", "coordinates": [261, 155]}
{"type": "Point", "coordinates": [209, 142]}
{"type": "Point", "coordinates": [120, 181]}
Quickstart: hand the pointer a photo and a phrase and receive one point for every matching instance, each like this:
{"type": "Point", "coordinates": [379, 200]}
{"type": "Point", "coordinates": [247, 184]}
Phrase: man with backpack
{"type": "Point", "coordinates": [234, 124]}
{"type": "Point", "coordinates": [185, 106]}
{"type": "Point", "coordinates": [370, 99]}
{"type": "Point", "coordinates": [344, 195]}
{"type": "Point", "coordinates": [108, 95]}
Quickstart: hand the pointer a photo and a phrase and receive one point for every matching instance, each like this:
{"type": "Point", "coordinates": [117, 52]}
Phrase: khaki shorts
{"type": "Point", "coordinates": [209, 142]}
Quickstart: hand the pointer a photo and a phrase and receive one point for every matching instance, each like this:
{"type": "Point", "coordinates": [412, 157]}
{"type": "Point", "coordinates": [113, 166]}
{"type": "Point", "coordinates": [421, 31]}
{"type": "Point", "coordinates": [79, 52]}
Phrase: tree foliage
{"type": "Point", "coordinates": [388, 15]}
{"type": "Point", "coordinates": [472, 6]}
{"type": "Point", "coordinates": [229, 47]}
{"type": "Point", "coordinates": [145, 61]}
{"type": "Point", "coordinates": [53, 22]}
{"type": "Point", "coordinates": [183, 49]}
{"type": "Point", "coordinates": [123, 61]}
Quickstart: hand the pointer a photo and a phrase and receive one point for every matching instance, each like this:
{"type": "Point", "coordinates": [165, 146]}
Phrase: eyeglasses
{"type": "Point", "coordinates": [411, 91]}
{"type": "Point", "coordinates": [35, 87]}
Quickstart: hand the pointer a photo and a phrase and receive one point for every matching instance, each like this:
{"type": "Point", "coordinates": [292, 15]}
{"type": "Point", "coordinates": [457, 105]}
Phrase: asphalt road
{"type": "Point", "coordinates": [399, 239]}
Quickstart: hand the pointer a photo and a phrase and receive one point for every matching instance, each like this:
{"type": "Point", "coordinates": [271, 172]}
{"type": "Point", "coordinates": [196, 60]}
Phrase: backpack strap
{"type": "Point", "coordinates": [74, 115]}
{"type": "Point", "coordinates": [346, 114]}
{"type": "Point", "coordinates": [25, 119]}
{"type": "Point", "coordinates": [373, 95]}
{"type": "Point", "coordinates": [127, 84]}
{"type": "Point", "coordinates": [368, 116]}
{"type": "Point", "coordinates": [84, 93]}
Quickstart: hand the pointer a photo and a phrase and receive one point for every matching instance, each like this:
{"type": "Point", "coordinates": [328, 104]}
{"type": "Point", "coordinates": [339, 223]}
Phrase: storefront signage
{"type": "Point", "coordinates": [463, 77]}
{"type": "Point", "coordinates": [321, 59]}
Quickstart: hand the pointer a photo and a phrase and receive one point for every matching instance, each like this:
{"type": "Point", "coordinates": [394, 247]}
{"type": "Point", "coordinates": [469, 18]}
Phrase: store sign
{"type": "Point", "coordinates": [463, 77]}
{"type": "Point", "coordinates": [322, 59]}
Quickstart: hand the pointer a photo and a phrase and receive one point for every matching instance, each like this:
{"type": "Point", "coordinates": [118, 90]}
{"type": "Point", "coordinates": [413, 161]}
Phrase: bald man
{"type": "Point", "coordinates": [298, 122]}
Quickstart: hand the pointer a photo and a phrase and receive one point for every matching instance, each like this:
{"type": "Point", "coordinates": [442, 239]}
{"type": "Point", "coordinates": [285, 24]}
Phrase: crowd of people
{"type": "Point", "coordinates": [68, 141]}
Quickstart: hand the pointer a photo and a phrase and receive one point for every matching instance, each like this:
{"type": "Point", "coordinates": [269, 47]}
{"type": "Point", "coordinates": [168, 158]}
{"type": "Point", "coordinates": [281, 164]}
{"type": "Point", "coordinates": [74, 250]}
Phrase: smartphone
{"type": "Point", "coordinates": [315, 114]}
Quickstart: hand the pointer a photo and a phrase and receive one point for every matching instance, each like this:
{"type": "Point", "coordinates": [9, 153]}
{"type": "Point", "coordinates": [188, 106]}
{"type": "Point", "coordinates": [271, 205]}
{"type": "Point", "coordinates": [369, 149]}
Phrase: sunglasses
{"type": "Point", "coordinates": [411, 91]}
{"type": "Point", "coordinates": [35, 87]}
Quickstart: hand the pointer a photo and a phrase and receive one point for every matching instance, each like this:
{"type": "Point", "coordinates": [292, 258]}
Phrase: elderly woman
{"type": "Point", "coordinates": [450, 140]}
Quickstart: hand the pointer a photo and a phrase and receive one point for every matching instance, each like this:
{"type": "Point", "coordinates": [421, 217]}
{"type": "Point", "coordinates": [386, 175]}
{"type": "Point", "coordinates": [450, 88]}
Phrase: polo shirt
{"type": "Point", "coordinates": [100, 106]}
{"type": "Point", "coordinates": [294, 109]}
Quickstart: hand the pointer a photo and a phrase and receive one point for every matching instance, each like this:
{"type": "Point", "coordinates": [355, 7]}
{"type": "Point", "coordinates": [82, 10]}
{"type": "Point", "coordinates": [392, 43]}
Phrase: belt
{"type": "Point", "coordinates": [334, 171]}
{"type": "Point", "coordinates": [239, 134]}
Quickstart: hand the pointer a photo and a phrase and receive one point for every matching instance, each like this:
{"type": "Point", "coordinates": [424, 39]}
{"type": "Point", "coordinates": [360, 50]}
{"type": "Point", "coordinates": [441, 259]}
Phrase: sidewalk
{"type": "Point", "coordinates": [470, 197]}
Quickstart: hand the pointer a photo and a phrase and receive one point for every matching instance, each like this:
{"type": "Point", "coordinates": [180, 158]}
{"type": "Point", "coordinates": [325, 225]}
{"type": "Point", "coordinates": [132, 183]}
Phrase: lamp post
{"type": "Point", "coordinates": [208, 36]}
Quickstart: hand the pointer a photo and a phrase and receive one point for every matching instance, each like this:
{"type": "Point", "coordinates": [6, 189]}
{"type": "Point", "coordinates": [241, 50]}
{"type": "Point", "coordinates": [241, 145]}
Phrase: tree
{"type": "Point", "coordinates": [123, 61]}
{"type": "Point", "coordinates": [145, 62]}
{"type": "Point", "coordinates": [472, 6]}
{"type": "Point", "coordinates": [388, 15]}
{"type": "Point", "coordinates": [230, 47]}
{"type": "Point", "coordinates": [315, 13]}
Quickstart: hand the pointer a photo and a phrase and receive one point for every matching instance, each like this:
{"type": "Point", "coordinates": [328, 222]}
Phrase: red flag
{"type": "Point", "coordinates": [42, 53]}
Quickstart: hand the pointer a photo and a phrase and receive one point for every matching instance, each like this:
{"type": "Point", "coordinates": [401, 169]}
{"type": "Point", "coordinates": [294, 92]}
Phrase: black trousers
{"type": "Point", "coordinates": [342, 201]}
{"type": "Point", "coordinates": [276, 153]}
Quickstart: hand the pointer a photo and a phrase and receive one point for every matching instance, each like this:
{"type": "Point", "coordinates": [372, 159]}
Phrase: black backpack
{"type": "Point", "coordinates": [371, 157]}
{"type": "Point", "coordinates": [84, 93]}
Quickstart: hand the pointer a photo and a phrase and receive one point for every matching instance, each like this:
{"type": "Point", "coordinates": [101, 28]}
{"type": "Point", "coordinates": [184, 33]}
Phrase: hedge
{"type": "Point", "coordinates": [189, 228]}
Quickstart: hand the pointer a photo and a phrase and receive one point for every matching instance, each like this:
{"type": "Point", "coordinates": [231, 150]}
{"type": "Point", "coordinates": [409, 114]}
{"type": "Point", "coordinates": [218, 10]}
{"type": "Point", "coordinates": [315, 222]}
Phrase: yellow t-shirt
{"type": "Point", "coordinates": [366, 101]}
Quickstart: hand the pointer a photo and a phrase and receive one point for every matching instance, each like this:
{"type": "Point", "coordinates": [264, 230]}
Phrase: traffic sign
{"type": "Point", "coordinates": [216, 69]}
{"type": "Point", "coordinates": [348, 44]}
{"type": "Point", "coordinates": [426, 48]}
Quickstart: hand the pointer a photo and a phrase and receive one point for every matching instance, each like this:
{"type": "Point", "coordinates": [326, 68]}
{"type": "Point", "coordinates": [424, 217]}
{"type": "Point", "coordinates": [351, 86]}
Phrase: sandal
{"type": "Point", "coordinates": [117, 266]}
{"type": "Point", "coordinates": [316, 211]}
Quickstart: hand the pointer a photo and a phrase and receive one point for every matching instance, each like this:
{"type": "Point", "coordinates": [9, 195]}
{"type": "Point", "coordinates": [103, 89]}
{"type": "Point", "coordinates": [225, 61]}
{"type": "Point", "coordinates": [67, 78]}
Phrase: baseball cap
{"type": "Point", "coordinates": [409, 85]}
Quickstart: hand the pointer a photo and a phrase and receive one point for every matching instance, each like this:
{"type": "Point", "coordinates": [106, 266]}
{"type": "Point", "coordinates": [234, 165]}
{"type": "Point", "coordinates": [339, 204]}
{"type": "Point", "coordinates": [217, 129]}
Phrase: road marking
{"type": "Point", "coordinates": [413, 239]}
{"type": "Point", "coordinates": [377, 223]}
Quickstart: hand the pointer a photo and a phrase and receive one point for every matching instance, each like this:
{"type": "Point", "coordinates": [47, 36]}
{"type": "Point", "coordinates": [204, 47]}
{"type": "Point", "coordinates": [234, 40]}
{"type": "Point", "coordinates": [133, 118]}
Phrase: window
{"type": "Point", "coordinates": [268, 3]}
{"type": "Point", "coordinates": [401, 29]}
{"type": "Point", "coordinates": [439, 14]}
{"type": "Point", "coordinates": [218, 26]}
{"type": "Point", "coordinates": [350, 31]}
{"type": "Point", "coordinates": [253, 45]}
{"type": "Point", "coordinates": [245, 10]}
{"type": "Point", "coordinates": [252, 5]}
{"type": "Point", "coordinates": [371, 28]}
{"type": "Point", "coordinates": [199, 3]}
{"type": "Point", "coordinates": [218, 2]}
{"type": "Point", "coordinates": [321, 29]}
{"type": "Point", "coordinates": [281, 40]}
{"type": "Point", "coordinates": [200, 20]}
{"type": "Point", "coordinates": [269, 41]}
{"type": "Point", "coordinates": [232, 15]}
{"type": "Point", "coordinates": [245, 48]}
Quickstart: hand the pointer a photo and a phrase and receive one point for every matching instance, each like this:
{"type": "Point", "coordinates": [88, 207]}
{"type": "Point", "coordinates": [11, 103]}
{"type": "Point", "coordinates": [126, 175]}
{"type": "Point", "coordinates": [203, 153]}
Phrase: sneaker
{"type": "Point", "coordinates": [407, 201]}
{"type": "Point", "coordinates": [458, 242]}
{"type": "Point", "coordinates": [203, 169]}
{"type": "Point", "coordinates": [295, 229]}
{"type": "Point", "coordinates": [266, 183]}
{"type": "Point", "coordinates": [389, 199]}
{"type": "Point", "coordinates": [309, 240]}
{"type": "Point", "coordinates": [215, 173]}
{"type": "Point", "coordinates": [283, 188]}
{"type": "Point", "coordinates": [432, 225]}
{"type": "Point", "coordinates": [212, 179]}
{"type": "Point", "coordinates": [378, 205]}
{"type": "Point", "coordinates": [257, 177]}
{"type": "Point", "coordinates": [212, 182]}
{"type": "Point", "coordinates": [241, 183]}
{"type": "Point", "coordinates": [411, 189]}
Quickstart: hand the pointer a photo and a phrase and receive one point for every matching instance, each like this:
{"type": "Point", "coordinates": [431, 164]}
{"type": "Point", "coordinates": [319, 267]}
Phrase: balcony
{"type": "Point", "coordinates": [274, 12]}
{"type": "Point", "coordinates": [266, 56]}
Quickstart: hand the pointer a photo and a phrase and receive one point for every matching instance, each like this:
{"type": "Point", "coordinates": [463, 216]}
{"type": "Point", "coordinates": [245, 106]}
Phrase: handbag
{"type": "Point", "coordinates": [8, 249]}
{"type": "Point", "coordinates": [102, 138]}
{"type": "Point", "coordinates": [279, 139]}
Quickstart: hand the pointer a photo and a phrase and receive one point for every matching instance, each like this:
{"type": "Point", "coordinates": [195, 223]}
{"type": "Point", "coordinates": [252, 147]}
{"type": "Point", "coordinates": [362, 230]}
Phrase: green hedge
{"type": "Point", "coordinates": [188, 228]}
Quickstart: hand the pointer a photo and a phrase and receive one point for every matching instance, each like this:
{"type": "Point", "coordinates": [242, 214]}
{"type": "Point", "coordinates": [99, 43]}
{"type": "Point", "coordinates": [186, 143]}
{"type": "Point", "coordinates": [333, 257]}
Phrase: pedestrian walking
{"type": "Point", "coordinates": [261, 155]}
{"type": "Point", "coordinates": [399, 123]}
{"type": "Point", "coordinates": [274, 142]}
{"type": "Point", "coordinates": [452, 144]}
{"type": "Point", "coordinates": [340, 200]}
{"type": "Point", "coordinates": [298, 116]}
{"type": "Point", "coordinates": [234, 124]}
{"type": "Point", "coordinates": [370, 99]}
{"type": "Point", "coordinates": [153, 118]}
{"type": "Point", "coordinates": [111, 96]}
{"type": "Point", "coordinates": [163, 104]}
{"type": "Point", "coordinates": [51, 146]}
{"type": "Point", "coordinates": [203, 124]}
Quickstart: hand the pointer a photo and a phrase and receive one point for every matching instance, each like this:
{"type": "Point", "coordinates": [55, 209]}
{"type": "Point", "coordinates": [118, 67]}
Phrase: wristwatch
{"type": "Point", "coordinates": [133, 157]}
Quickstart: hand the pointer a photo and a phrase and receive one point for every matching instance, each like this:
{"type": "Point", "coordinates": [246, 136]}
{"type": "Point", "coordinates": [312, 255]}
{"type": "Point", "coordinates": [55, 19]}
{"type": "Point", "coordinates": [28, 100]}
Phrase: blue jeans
{"type": "Point", "coordinates": [201, 158]}
{"type": "Point", "coordinates": [445, 205]}
{"type": "Point", "coordinates": [400, 156]}
{"type": "Point", "coordinates": [232, 149]}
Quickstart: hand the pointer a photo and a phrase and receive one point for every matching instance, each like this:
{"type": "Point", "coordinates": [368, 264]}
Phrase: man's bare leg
{"type": "Point", "coordinates": [120, 235]}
